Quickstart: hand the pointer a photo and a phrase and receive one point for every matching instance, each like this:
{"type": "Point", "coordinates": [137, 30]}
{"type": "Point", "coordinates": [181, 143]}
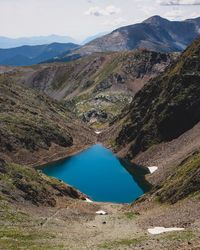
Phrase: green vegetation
{"type": "Point", "coordinates": [184, 182]}
{"type": "Point", "coordinates": [166, 107]}
{"type": "Point", "coordinates": [131, 215]}
{"type": "Point", "coordinates": [123, 242]}
{"type": "Point", "coordinates": [8, 215]}
{"type": "Point", "coordinates": [180, 236]}
{"type": "Point", "coordinates": [30, 122]}
{"type": "Point", "coordinates": [108, 69]}
{"type": "Point", "coordinates": [22, 182]}
{"type": "Point", "coordinates": [12, 238]}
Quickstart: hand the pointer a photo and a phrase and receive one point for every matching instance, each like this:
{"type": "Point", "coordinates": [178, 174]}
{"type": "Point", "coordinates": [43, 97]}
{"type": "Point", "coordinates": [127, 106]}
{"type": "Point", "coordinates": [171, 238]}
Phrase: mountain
{"type": "Point", "coordinates": [173, 105]}
{"type": "Point", "coordinates": [161, 127]}
{"type": "Point", "coordinates": [29, 55]}
{"type": "Point", "coordinates": [99, 86]}
{"type": "Point", "coordinates": [155, 33]}
{"type": "Point", "coordinates": [6, 42]}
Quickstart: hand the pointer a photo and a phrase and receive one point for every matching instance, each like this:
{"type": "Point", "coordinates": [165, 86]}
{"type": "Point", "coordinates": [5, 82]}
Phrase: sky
{"type": "Point", "coordinates": [82, 18]}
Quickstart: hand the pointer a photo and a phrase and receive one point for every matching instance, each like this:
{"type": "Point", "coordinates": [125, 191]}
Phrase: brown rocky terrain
{"type": "Point", "coordinates": [98, 87]}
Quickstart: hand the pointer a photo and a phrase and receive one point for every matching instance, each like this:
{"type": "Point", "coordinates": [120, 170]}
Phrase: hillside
{"type": "Point", "coordinates": [172, 101]}
{"type": "Point", "coordinates": [34, 129]}
{"type": "Point", "coordinates": [29, 55]}
{"type": "Point", "coordinates": [155, 33]}
{"type": "Point", "coordinates": [99, 86]}
{"type": "Point", "coordinates": [161, 127]}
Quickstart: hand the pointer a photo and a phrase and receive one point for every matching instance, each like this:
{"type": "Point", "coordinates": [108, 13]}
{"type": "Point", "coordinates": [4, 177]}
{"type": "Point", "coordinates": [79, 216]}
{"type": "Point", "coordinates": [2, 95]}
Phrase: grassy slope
{"type": "Point", "coordinates": [31, 123]}
{"type": "Point", "coordinates": [163, 110]}
{"type": "Point", "coordinates": [21, 183]}
{"type": "Point", "coordinates": [166, 107]}
{"type": "Point", "coordinates": [184, 182]}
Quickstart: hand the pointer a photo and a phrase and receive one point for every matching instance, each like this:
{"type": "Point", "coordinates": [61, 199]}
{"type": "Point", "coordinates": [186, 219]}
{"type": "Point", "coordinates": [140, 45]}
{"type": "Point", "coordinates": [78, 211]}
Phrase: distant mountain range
{"type": "Point", "coordinates": [29, 55]}
{"type": "Point", "coordinates": [155, 33]}
{"type": "Point", "coordinates": [6, 42]}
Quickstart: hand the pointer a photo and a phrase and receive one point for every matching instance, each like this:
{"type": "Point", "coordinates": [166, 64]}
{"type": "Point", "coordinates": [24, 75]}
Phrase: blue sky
{"type": "Point", "coordinates": [82, 18]}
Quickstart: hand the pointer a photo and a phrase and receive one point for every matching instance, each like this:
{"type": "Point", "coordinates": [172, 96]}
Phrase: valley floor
{"type": "Point", "coordinates": [79, 227]}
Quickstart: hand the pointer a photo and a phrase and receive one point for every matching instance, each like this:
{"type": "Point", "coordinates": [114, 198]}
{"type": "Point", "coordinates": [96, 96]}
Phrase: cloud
{"type": "Point", "coordinates": [179, 2]}
{"type": "Point", "coordinates": [175, 14]}
{"type": "Point", "coordinates": [107, 11]}
{"type": "Point", "coordinates": [115, 22]}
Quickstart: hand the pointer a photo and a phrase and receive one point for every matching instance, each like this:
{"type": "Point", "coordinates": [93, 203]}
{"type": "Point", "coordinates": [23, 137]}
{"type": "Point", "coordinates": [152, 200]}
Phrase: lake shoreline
{"type": "Point", "coordinates": [88, 169]}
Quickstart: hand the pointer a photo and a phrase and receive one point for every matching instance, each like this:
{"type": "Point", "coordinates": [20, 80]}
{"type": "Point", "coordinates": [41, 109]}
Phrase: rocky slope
{"type": "Point", "coordinates": [166, 107]}
{"type": "Point", "coordinates": [155, 33]}
{"type": "Point", "coordinates": [97, 87]}
{"type": "Point", "coordinates": [24, 184]}
{"type": "Point", "coordinates": [35, 129]}
{"type": "Point", "coordinates": [163, 115]}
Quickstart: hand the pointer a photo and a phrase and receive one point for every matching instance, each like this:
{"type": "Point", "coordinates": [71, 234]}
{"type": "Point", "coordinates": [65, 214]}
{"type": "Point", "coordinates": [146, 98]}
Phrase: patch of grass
{"type": "Point", "coordinates": [16, 238]}
{"type": "Point", "coordinates": [10, 215]}
{"type": "Point", "coordinates": [123, 242]}
{"type": "Point", "coordinates": [112, 143]}
{"type": "Point", "coordinates": [130, 215]}
{"type": "Point", "coordinates": [180, 236]}
{"type": "Point", "coordinates": [107, 70]}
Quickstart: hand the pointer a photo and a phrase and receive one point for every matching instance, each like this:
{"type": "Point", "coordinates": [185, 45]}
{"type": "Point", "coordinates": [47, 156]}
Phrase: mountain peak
{"type": "Point", "coordinates": [155, 20]}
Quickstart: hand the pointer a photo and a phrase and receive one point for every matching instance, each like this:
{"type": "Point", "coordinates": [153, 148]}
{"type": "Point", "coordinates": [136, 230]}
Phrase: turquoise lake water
{"type": "Point", "coordinates": [98, 173]}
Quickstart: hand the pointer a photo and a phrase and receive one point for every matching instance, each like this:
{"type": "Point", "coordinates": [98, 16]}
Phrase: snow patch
{"type": "Point", "coordinates": [152, 169]}
{"type": "Point", "coordinates": [88, 200]}
{"type": "Point", "coordinates": [159, 230]}
{"type": "Point", "coordinates": [101, 212]}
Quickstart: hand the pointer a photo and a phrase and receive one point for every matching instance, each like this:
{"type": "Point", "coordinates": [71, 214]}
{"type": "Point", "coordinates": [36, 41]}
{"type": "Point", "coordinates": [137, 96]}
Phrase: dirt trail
{"type": "Point", "coordinates": [121, 228]}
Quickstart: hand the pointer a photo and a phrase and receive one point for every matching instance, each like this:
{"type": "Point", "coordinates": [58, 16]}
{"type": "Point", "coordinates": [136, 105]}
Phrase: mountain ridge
{"type": "Point", "coordinates": [155, 33]}
{"type": "Point", "coordinates": [99, 86]}
{"type": "Point", "coordinates": [6, 42]}
{"type": "Point", "coordinates": [27, 55]}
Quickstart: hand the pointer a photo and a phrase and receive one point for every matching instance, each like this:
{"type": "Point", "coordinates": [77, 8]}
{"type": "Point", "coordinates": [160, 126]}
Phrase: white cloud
{"type": "Point", "coordinates": [175, 14]}
{"type": "Point", "coordinates": [179, 2]}
{"type": "Point", "coordinates": [115, 22]}
{"type": "Point", "coordinates": [107, 11]}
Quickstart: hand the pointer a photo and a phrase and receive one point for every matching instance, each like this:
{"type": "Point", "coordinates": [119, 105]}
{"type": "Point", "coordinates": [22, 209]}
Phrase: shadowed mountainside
{"type": "Point", "coordinates": [166, 107]}
{"type": "Point", "coordinates": [163, 115]}
{"type": "Point", "coordinates": [29, 55]}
